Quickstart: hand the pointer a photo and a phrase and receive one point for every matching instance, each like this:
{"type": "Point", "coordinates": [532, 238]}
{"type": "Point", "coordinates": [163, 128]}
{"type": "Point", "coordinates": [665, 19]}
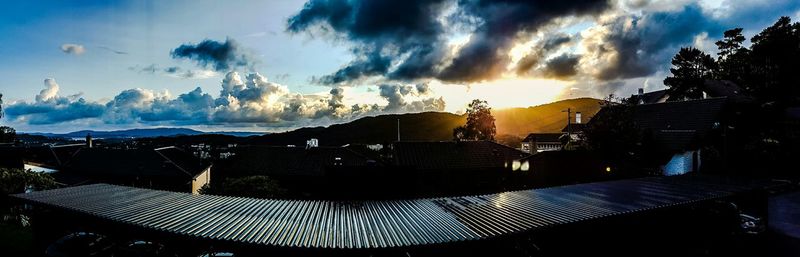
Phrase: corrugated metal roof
{"type": "Point", "coordinates": [376, 224]}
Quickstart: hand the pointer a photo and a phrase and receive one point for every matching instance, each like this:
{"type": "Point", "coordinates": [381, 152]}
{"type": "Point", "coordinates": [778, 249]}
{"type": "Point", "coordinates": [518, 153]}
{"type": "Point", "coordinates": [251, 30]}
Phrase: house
{"type": "Point", "coordinates": [557, 168]}
{"type": "Point", "coordinates": [540, 142]}
{"type": "Point", "coordinates": [315, 171]}
{"type": "Point", "coordinates": [167, 168]}
{"type": "Point", "coordinates": [42, 158]}
{"type": "Point", "coordinates": [678, 130]}
{"type": "Point", "coordinates": [710, 89]}
{"type": "Point", "coordinates": [452, 167]}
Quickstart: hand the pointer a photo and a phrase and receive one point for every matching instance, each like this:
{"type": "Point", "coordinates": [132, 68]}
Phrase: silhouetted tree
{"type": "Point", "coordinates": [775, 59]}
{"type": "Point", "coordinates": [690, 68]}
{"type": "Point", "coordinates": [480, 123]}
{"type": "Point", "coordinates": [7, 134]}
{"type": "Point", "coordinates": [732, 58]}
{"type": "Point", "coordinates": [14, 181]}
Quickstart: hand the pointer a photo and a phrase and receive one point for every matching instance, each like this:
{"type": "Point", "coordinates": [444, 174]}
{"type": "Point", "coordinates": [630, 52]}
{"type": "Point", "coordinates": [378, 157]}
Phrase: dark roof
{"type": "Point", "coordinates": [574, 127]}
{"type": "Point", "coordinates": [167, 162]}
{"type": "Point", "coordinates": [44, 155]}
{"type": "Point", "coordinates": [453, 155]}
{"type": "Point", "coordinates": [380, 224]}
{"type": "Point", "coordinates": [288, 160]}
{"type": "Point", "coordinates": [658, 96]}
{"type": "Point", "coordinates": [544, 137]}
{"type": "Point", "coordinates": [675, 126]}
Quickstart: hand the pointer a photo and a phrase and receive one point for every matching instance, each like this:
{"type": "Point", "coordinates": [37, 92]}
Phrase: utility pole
{"type": "Point", "coordinates": [398, 130]}
{"type": "Point", "coordinates": [569, 124]}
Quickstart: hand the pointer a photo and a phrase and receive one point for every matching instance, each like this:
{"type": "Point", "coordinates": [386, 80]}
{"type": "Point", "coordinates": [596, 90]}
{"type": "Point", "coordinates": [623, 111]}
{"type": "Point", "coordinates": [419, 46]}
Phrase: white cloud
{"type": "Point", "coordinates": [75, 49]}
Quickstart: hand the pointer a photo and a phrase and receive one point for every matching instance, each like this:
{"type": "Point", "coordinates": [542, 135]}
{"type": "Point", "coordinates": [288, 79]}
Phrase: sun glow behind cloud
{"type": "Point", "coordinates": [502, 93]}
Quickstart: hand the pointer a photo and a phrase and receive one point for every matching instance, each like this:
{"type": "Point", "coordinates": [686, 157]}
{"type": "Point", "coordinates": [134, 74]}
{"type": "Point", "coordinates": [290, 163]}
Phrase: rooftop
{"type": "Point", "coordinates": [379, 224]}
{"type": "Point", "coordinates": [454, 155]}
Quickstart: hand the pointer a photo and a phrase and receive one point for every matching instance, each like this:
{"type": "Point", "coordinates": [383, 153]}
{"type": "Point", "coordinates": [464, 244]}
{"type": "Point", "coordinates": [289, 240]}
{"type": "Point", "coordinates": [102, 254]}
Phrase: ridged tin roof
{"type": "Point", "coordinates": [376, 224]}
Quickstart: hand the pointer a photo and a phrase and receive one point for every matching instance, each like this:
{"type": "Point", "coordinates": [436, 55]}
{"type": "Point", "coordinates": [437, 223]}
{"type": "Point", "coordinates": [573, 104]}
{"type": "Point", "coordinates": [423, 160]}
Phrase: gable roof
{"type": "Point", "coordinates": [543, 137]}
{"type": "Point", "coordinates": [289, 160]}
{"type": "Point", "coordinates": [658, 96]}
{"type": "Point", "coordinates": [43, 155]}
{"type": "Point", "coordinates": [454, 155]}
{"type": "Point", "coordinates": [169, 163]}
{"type": "Point", "coordinates": [675, 126]}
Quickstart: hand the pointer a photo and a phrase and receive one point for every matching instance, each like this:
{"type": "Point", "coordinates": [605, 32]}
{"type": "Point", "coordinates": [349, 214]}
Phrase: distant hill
{"type": "Point", "coordinates": [434, 126]}
{"type": "Point", "coordinates": [426, 126]}
{"type": "Point", "coordinates": [143, 133]}
{"type": "Point", "coordinates": [544, 118]}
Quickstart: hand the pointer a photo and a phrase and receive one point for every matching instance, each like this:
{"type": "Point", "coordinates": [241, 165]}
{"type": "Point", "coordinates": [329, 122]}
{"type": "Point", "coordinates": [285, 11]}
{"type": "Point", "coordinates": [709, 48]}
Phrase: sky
{"type": "Point", "coordinates": [279, 65]}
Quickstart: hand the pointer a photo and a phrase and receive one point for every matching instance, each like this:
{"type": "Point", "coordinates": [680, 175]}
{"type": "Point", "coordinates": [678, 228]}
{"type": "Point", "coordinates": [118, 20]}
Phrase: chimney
{"type": "Point", "coordinates": [641, 91]}
{"type": "Point", "coordinates": [577, 117]}
{"type": "Point", "coordinates": [89, 140]}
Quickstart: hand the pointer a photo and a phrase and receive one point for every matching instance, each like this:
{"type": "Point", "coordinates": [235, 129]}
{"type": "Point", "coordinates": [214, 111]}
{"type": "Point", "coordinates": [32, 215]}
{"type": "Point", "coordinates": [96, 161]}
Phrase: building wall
{"type": "Point", "coordinates": [201, 180]}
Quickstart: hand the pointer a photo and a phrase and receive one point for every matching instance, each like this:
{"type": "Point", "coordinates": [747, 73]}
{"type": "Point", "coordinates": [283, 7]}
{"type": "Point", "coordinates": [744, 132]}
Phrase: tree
{"type": "Point", "coordinates": [480, 123]}
{"type": "Point", "coordinates": [732, 58]}
{"type": "Point", "coordinates": [774, 60]}
{"type": "Point", "coordinates": [691, 67]}
{"type": "Point", "coordinates": [7, 134]}
{"type": "Point", "coordinates": [14, 181]}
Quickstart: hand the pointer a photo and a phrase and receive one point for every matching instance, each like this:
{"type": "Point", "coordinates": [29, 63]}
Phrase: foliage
{"type": "Point", "coordinates": [774, 60]}
{"type": "Point", "coordinates": [251, 186]}
{"type": "Point", "coordinates": [732, 58]}
{"type": "Point", "coordinates": [480, 123]}
{"type": "Point", "coordinates": [691, 67]}
{"type": "Point", "coordinates": [7, 134]}
{"type": "Point", "coordinates": [14, 181]}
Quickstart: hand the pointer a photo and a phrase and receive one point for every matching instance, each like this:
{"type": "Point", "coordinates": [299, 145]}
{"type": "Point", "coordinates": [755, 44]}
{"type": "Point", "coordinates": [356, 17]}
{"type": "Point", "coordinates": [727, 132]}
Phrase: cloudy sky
{"type": "Point", "coordinates": [278, 65]}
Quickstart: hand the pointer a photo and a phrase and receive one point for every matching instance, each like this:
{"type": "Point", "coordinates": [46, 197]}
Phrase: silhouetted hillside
{"type": "Point", "coordinates": [433, 126]}
{"type": "Point", "coordinates": [426, 126]}
{"type": "Point", "coordinates": [144, 133]}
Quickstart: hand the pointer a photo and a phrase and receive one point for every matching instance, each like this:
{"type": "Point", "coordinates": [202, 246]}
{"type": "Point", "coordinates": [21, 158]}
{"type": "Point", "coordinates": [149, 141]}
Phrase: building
{"type": "Point", "coordinates": [678, 130]}
{"type": "Point", "coordinates": [167, 168]}
{"type": "Point", "coordinates": [541, 142]}
{"type": "Point", "coordinates": [450, 167]}
{"type": "Point", "coordinates": [315, 171]}
{"type": "Point", "coordinates": [43, 158]}
{"type": "Point", "coordinates": [558, 168]}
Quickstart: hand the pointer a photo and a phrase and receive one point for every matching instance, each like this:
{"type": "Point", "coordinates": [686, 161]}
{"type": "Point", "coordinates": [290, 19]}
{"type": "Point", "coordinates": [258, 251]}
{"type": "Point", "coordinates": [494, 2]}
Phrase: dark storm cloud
{"type": "Point", "coordinates": [540, 50]}
{"type": "Point", "coordinates": [561, 67]}
{"type": "Point", "coordinates": [367, 65]}
{"type": "Point", "coordinates": [395, 26]}
{"type": "Point", "coordinates": [410, 35]}
{"type": "Point", "coordinates": [486, 55]}
{"type": "Point", "coordinates": [220, 56]}
{"type": "Point", "coordinates": [641, 45]}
